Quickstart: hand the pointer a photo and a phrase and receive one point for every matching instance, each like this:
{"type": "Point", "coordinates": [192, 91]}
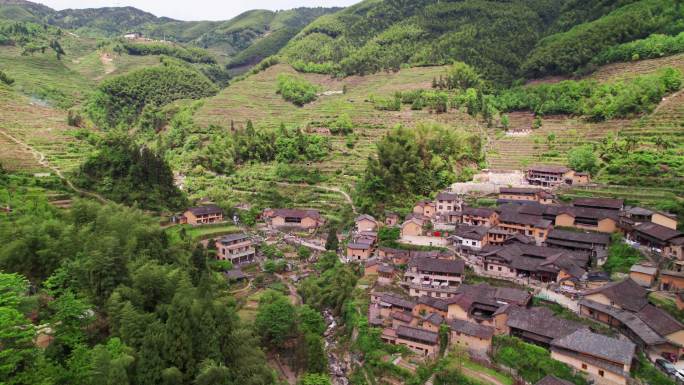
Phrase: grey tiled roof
{"type": "Point", "coordinates": [471, 329]}
{"type": "Point", "coordinates": [627, 294]}
{"type": "Point", "coordinates": [423, 335]}
{"type": "Point", "coordinates": [438, 265]}
{"type": "Point", "coordinates": [585, 341]}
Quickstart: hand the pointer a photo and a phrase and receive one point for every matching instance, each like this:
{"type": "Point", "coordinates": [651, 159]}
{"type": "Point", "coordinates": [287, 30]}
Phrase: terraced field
{"type": "Point", "coordinates": [667, 121]}
{"type": "Point", "coordinates": [548, 144]}
{"type": "Point", "coordinates": [42, 128]}
{"type": "Point", "coordinates": [255, 99]}
{"type": "Point", "coordinates": [44, 77]}
{"type": "Point", "coordinates": [626, 70]}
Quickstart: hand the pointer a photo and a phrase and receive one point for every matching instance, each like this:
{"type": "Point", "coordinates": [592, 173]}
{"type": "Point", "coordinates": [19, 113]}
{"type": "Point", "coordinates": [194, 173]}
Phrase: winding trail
{"type": "Point", "coordinates": [346, 196]}
{"type": "Point", "coordinates": [42, 160]}
{"type": "Point", "coordinates": [482, 376]}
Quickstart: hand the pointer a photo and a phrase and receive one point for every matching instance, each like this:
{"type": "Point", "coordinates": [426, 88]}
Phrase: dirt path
{"type": "Point", "coordinates": [665, 101]}
{"type": "Point", "coordinates": [346, 196]}
{"type": "Point", "coordinates": [107, 62]}
{"type": "Point", "coordinates": [42, 160]}
{"type": "Point", "coordinates": [295, 298]}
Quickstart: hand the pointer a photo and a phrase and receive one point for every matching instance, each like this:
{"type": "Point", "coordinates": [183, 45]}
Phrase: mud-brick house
{"type": "Point", "coordinates": [427, 305]}
{"type": "Point", "coordinates": [447, 202]}
{"type": "Point", "coordinates": [420, 341]}
{"type": "Point", "coordinates": [671, 280]}
{"type": "Point", "coordinates": [391, 219]}
{"type": "Point", "coordinates": [236, 248]}
{"type": "Point", "coordinates": [669, 242]}
{"type": "Point", "coordinates": [587, 218]}
{"type": "Point", "coordinates": [624, 306]}
{"type": "Point", "coordinates": [202, 215]}
{"type": "Point", "coordinates": [606, 360]}
{"type": "Point", "coordinates": [425, 208]}
{"type": "Point", "coordinates": [480, 216]}
{"type": "Point", "coordinates": [412, 228]}
{"type": "Point", "coordinates": [366, 223]}
{"type": "Point", "coordinates": [476, 339]}
{"type": "Point", "coordinates": [359, 251]}
{"type": "Point", "coordinates": [297, 219]}
{"type": "Point", "coordinates": [644, 274]}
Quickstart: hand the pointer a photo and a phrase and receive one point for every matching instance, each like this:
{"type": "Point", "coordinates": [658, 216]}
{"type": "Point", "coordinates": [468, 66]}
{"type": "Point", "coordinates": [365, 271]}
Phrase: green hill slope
{"type": "Point", "coordinates": [225, 38]}
{"type": "Point", "coordinates": [493, 36]}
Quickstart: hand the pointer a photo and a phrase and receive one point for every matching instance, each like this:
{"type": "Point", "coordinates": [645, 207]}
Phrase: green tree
{"type": "Point", "coordinates": [276, 319]}
{"type": "Point", "coordinates": [212, 373]}
{"type": "Point", "coordinates": [461, 76]}
{"type": "Point", "coordinates": [150, 361]}
{"type": "Point", "coordinates": [317, 359]}
{"type": "Point", "coordinates": [179, 334]}
{"type": "Point", "coordinates": [17, 332]}
{"type": "Point", "coordinates": [584, 159]}
{"type": "Point", "coordinates": [310, 320]}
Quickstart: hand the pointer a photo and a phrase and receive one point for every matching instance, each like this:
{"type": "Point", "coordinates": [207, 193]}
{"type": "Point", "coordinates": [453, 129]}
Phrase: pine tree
{"type": "Point", "coordinates": [179, 335]}
{"type": "Point", "coordinates": [150, 362]}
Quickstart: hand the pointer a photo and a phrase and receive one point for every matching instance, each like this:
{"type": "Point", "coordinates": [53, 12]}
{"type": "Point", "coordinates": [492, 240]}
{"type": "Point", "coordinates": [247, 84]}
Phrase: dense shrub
{"type": "Point", "coordinates": [296, 90]}
{"type": "Point", "coordinates": [188, 54]}
{"type": "Point", "coordinates": [583, 159]}
{"type": "Point", "coordinates": [654, 46]}
{"type": "Point", "coordinates": [587, 97]}
{"type": "Point", "coordinates": [5, 79]}
{"type": "Point", "coordinates": [621, 256]}
{"type": "Point", "coordinates": [120, 101]}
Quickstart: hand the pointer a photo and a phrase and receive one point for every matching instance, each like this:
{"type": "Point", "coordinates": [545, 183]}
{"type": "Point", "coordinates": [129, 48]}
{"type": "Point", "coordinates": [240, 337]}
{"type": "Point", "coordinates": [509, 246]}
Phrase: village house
{"type": "Point", "coordinates": [431, 322]}
{"type": "Point", "coordinates": [391, 302]}
{"type": "Point", "coordinates": [397, 256]}
{"type": "Point", "coordinates": [447, 202]}
{"type": "Point", "coordinates": [392, 219]}
{"type": "Point", "coordinates": [679, 300]}
{"type": "Point", "coordinates": [607, 360]}
{"type": "Point", "coordinates": [425, 208]}
{"type": "Point", "coordinates": [235, 275]}
{"type": "Point", "coordinates": [236, 248]}
{"type": "Point", "coordinates": [470, 237]}
{"type": "Point", "coordinates": [600, 203]}
{"type": "Point", "coordinates": [524, 195]}
{"type": "Point", "coordinates": [537, 325]}
{"type": "Point", "coordinates": [433, 277]}
{"type": "Point", "coordinates": [475, 338]}
{"type": "Point", "coordinates": [297, 219]}
{"type": "Point", "coordinates": [402, 318]}
{"type": "Point", "coordinates": [480, 216]}
{"type": "Point", "coordinates": [420, 341]}
{"type": "Point", "coordinates": [593, 243]}
{"type": "Point", "coordinates": [479, 303]}
{"type": "Point", "coordinates": [624, 306]}
{"type": "Point", "coordinates": [386, 274]}
{"type": "Point", "coordinates": [671, 280]}
{"type": "Point", "coordinates": [635, 215]}
{"type": "Point", "coordinates": [525, 224]}
{"type": "Point", "coordinates": [553, 176]}
{"type": "Point", "coordinates": [202, 215]}
{"type": "Point", "coordinates": [539, 263]}
{"type": "Point", "coordinates": [644, 274]}
{"type": "Point", "coordinates": [371, 267]}
{"type": "Point", "coordinates": [430, 305]}
{"type": "Point", "coordinates": [412, 228]}
{"type": "Point", "coordinates": [587, 218]}
{"type": "Point", "coordinates": [366, 223]}
{"type": "Point", "coordinates": [669, 242]}
{"type": "Point", "coordinates": [359, 251]}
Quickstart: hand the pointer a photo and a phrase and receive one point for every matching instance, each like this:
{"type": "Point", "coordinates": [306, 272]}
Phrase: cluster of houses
{"type": "Point", "coordinates": [477, 313]}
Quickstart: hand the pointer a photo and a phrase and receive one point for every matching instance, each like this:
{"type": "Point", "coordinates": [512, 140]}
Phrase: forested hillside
{"type": "Point", "coordinates": [264, 32]}
{"type": "Point", "coordinates": [494, 36]}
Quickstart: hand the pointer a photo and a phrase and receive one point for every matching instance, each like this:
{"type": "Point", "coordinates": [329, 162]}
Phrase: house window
{"type": "Point", "coordinates": [601, 373]}
{"type": "Point", "coordinates": [584, 366]}
{"type": "Point", "coordinates": [499, 268]}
